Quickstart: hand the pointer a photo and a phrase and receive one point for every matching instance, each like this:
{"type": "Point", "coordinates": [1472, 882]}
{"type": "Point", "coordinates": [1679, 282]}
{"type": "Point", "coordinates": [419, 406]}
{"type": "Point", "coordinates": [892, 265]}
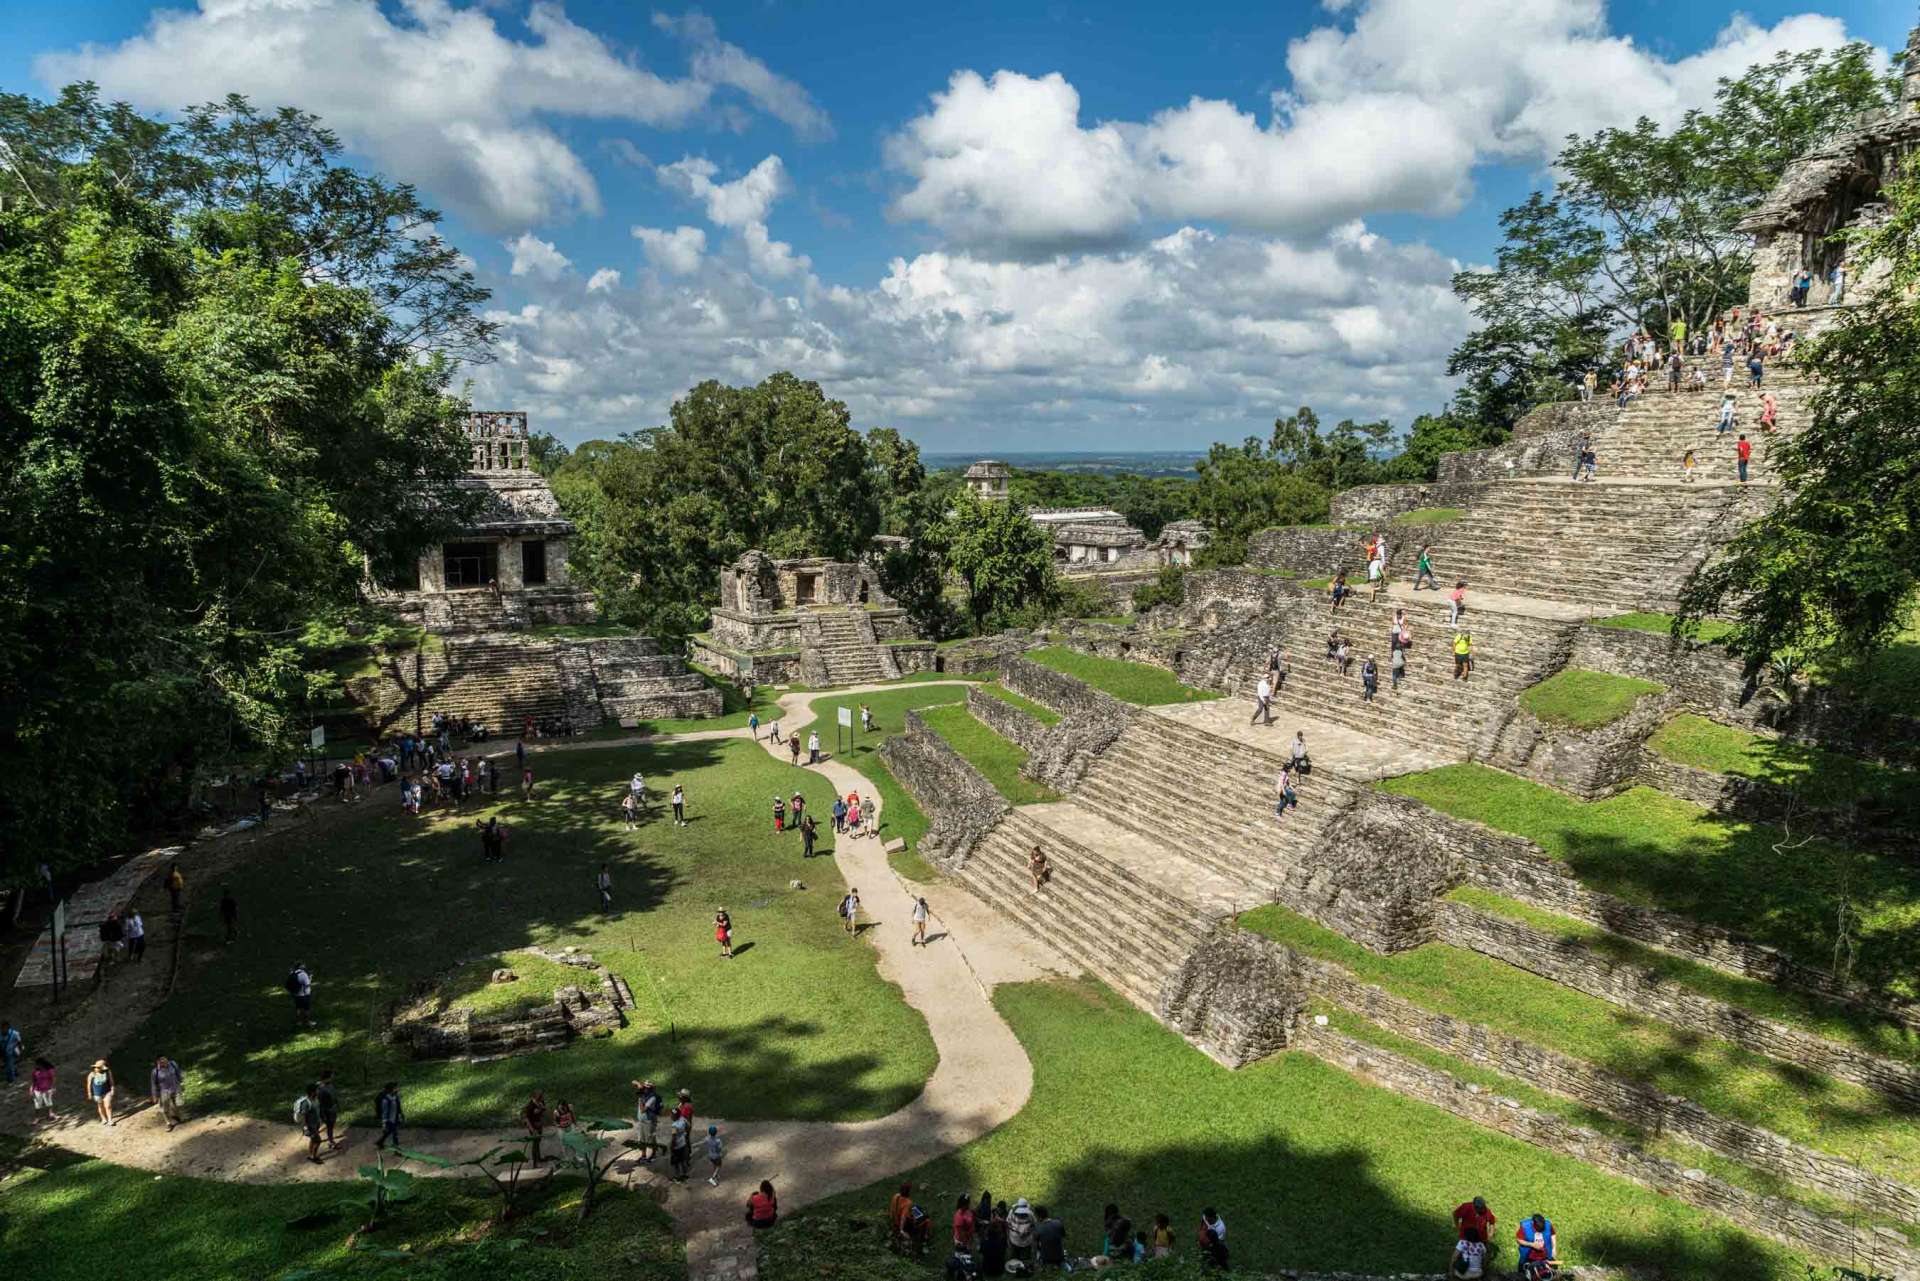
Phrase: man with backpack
{"type": "Point", "coordinates": [164, 1089]}
{"type": "Point", "coordinates": [850, 910]}
{"type": "Point", "coordinates": [646, 1113]}
{"type": "Point", "coordinates": [387, 1108]}
{"type": "Point", "coordinates": [299, 985]}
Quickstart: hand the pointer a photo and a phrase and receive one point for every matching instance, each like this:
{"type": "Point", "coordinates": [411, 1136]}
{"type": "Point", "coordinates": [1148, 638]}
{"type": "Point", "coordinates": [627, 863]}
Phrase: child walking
{"type": "Point", "coordinates": [716, 1153]}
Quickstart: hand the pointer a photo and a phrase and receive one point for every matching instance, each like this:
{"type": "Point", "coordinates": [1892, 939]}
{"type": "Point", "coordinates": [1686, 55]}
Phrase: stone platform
{"type": "Point", "coordinates": [1150, 860]}
{"type": "Point", "coordinates": [1355, 755]}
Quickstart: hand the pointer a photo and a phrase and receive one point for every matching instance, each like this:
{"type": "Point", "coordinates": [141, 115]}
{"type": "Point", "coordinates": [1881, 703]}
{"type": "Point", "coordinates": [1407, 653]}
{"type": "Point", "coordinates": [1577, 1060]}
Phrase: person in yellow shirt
{"type": "Point", "coordinates": [1462, 655]}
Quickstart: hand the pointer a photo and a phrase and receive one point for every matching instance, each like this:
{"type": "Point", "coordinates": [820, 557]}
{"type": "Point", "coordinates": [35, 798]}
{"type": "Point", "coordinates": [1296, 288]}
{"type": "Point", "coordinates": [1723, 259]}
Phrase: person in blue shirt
{"type": "Point", "coordinates": [10, 1049]}
{"type": "Point", "coordinates": [1538, 1253]}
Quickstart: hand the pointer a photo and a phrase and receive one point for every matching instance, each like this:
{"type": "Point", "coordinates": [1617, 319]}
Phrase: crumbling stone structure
{"type": "Point", "coordinates": [811, 619]}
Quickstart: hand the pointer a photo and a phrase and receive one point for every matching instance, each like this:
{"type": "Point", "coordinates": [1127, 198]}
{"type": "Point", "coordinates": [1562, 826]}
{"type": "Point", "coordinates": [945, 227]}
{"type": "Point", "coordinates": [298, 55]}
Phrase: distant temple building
{"type": "Point", "coordinates": [988, 480]}
{"type": "Point", "coordinates": [1180, 541]}
{"type": "Point", "coordinates": [508, 569]}
{"type": "Point", "coordinates": [824, 622]}
{"type": "Point", "coordinates": [1835, 186]}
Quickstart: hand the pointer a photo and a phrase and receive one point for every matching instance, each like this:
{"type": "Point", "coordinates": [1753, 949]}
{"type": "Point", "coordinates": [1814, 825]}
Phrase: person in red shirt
{"type": "Point", "coordinates": [1475, 1214]}
{"type": "Point", "coordinates": [963, 1224]}
{"type": "Point", "coordinates": [1743, 450]}
{"type": "Point", "coordinates": [684, 1108]}
{"type": "Point", "coordinates": [763, 1208]}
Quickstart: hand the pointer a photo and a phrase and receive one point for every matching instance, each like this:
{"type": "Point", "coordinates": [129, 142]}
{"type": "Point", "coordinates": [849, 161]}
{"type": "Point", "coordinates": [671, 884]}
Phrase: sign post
{"type": "Point", "coordinates": [844, 721]}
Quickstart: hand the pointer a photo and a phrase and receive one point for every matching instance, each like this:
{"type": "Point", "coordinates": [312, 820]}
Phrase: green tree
{"type": "Point", "coordinates": [1001, 558]}
{"type": "Point", "coordinates": [1241, 491]}
{"type": "Point", "coordinates": [1828, 575]}
{"type": "Point", "coordinates": [212, 444]}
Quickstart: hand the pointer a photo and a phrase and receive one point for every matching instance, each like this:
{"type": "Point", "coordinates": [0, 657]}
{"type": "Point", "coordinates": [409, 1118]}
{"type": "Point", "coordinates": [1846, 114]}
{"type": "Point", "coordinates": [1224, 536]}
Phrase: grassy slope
{"type": "Point", "coordinates": [994, 756]}
{"type": "Point", "coordinates": [1312, 1168]}
{"type": "Point", "coordinates": [391, 900]}
{"type": "Point", "coordinates": [470, 986]}
{"type": "Point", "coordinates": [1039, 711]}
{"type": "Point", "coordinates": [1836, 1117]}
{"type": "Point", "coordinates": [1650, 848]}
{"type": "Point", "coordinates": [91, 1221]}
{"type": "Point", "coordinates": [1430, 516]}
{"type": "Point", "coordinates": [1585, 699]}
{"type": "Point", "coordinates": [1661, 625]}
{"type": "Point", "coordinates": [1836, 1022]}
{"type": "Point", "coordinates": [1139, 683]}
{"type": "Point", "coordinates": [1826, 777]}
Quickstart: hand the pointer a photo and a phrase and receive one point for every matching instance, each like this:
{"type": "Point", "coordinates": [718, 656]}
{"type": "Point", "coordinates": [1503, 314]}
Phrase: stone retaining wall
{"type": "Point", "coordinates": [1311, 551]}
{"type": "Point", "coordinates": [1706, 677]}
{"type": "Point", "coordinates": [1584, 970]}
{"type": "Point", "coordinates": [960, 804]}
{"type": "Point", "coordinates": [1542, 443]}
{"type": "Point", "coordinates": [1236, 997]}
{"type": "Point", "coordinates": [1620, 1097]}
{"type": "Point", "coordinates": [1518, 869]}
{"type": "Point", "coordinates": [1376, 878]}
{"type": "Point", "coordinates": [1773, 1217]}
{"type": "Point", "coordinates": [1589, 763]}
{"type": "Point", "coordinates": [1015, 724]}
{"type": "Point", "coordinates": [1381, 504]}
{"type": "Point", "coordinates": [1090, 721]}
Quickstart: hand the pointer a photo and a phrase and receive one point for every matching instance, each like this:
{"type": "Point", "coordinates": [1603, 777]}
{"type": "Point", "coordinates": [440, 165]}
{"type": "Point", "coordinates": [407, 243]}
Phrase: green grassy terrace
{"type": "Point", "coordinates": [1833, 1116]}
{"type": "Point", "coordinates": [1039, 711]}
{"type": "Point", "coordinates": [996, 757]}
{"type": "Point", "coordinates": [1659, 851]}
{"type": "Point", "coordinates": [1585, 700]}
{"type": "Point", "coordinates": [84, 1220]}
{"type": "Point", "coordinates": [1297, 1154]}
{"type": "Point", "coordinates": [1824, 778]}
{"type": "Point", "coordinates": [1139, 683]}
{"type": "Point", "coordinates": [1833, 1020]}
{"type": "Point", "coordinates": [1430, 516]}
{"type": "Point", "coordinates": [1662, 625]}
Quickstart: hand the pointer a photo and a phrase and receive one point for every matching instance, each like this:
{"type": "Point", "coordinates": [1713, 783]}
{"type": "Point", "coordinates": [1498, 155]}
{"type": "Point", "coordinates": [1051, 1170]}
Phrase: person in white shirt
{"type": "Point", "coordinates": [136, 934]}
{"type": "Point", "coordinates": [1263, 702]}
{"type": "Point", "coordinates": [919, 922]}
{"type": "Point", "coordinates": [813, 749]}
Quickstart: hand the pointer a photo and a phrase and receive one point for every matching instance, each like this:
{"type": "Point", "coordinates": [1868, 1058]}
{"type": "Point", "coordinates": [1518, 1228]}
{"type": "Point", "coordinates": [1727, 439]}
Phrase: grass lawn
{"type": "Point", "coordinates": [998, 758]}
{"type": "Point", "coordinates": [1585, 700]}
{"type": "Point", "coordinates": [470, 985]}
{"type": "Point", "coordinates": [84, 1220]}
{"type": "Point", "coordinates": [1650, 848]}
{"type": "Point", "coordinates": [1824, 778]}
{"type": "Point", "coordinates": [1139, 683]}
{"type": "Point", "coordinates": [1312, 1168]}
{"type": "Point", "coordinates": [1836, 1117]}
{"type": "Point", "coordinates": [381, 901]}
{"type": "Point", "coordinates": [1430, 516]}
{"type": "Point", "coordinates": [1039, 711]}
{"type": "Point", "coordinates": [1662, 625]}
{"type": "Point", "coordinates": [1832, 1020]}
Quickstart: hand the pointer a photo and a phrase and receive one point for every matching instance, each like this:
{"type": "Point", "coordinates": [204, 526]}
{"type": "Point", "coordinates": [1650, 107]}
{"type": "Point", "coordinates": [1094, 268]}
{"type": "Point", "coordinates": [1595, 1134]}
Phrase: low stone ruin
{"type": "Point", "coordinates": [430, 1030]}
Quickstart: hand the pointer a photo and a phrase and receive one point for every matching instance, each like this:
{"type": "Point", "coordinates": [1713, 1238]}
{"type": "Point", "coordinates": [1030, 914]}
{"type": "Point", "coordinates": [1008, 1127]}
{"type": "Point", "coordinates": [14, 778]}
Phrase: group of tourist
{"type": "Point", "coordinates": [1536, 1242]}
{"type": "Point", "coordinates": [648, 1112]}
{"type": "Point", "coordinates": [991, 1238]}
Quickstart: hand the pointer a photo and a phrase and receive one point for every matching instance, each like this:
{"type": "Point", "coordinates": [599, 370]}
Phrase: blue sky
{"type": "Point", "coordinates": [995, 226]}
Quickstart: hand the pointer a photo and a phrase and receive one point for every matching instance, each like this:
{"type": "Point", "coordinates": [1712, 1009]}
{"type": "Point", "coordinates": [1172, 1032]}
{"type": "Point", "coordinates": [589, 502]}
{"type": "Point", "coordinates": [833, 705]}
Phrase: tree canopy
{"type": "Point", "coordinates": [213, 437]}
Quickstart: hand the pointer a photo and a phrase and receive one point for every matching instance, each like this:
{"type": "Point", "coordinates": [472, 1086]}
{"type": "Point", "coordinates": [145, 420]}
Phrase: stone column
{"type": "Point", "coordinates": [433, 571]}
{"type": "Point", "coordinates": [556, 562]}
{"type": "Point", "coordinates": [508, 566]}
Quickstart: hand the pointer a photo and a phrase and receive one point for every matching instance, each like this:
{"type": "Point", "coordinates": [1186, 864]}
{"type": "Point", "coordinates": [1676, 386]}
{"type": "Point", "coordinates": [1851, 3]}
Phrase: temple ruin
{"type": "Point", "coordinates": [824, 622]}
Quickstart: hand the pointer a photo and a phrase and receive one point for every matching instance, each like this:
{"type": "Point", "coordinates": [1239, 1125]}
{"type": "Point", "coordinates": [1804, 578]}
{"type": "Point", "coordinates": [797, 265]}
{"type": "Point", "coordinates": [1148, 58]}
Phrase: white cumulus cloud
{"type": "Point", "coordinates": [1388, 111]}
{"type": "Point", "coordinates": [438, 93]}
{"type": "Point", "coordinates": [533, 256]}
{"type": "Point", "coordinates": [603, 279]}
{"type": "Point", "coordinates": [678, 251]}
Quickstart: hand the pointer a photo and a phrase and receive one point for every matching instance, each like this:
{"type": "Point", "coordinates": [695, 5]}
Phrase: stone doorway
{"type": "Point", "coordinates": [806, 589]}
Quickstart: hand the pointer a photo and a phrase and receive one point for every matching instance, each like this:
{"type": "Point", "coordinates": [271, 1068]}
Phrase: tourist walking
{"type": "Point", "coordinates": [630, 810]}
{"type": "Point", "coordinates": [809, 832]}
{"type": "Point", "coordinates": [850, 910]}
{"type": "Point", "coordinates": [919, 915]}
{"type": "Point", "coordinates": [100, 1089]}
{"type": "Point", "coordinates": [604, 882]}
{"type": "Point", "coordinates": [1397, 667]}
{"type": "Point", "coordinates": [716, 1153]}
{"type": "Point", "coordinates": [176, 888]}
{"type": "Point", "coordinates": [306, 1115]}
{"type": "Point", "coordinates": [1724, 423]}
{"type": "Point", "coordinates": [1462, 655]}
{"type": "Point", "coordinates": [866, 719]}
{"type": "Point", "coordinates": [230, 914]}
{"type": "Point", "coordinates": [1262, 702]}
{"type": "Point", "coordinates": [723, 933]}
{"type": "Point", "coordinates": [839, 814]}
{"type": "Point", "coordinates": [391, 1113]}
{"type": "Point", "coordinates": [1284, 789]}
{"type": "Point", "coordinates": [679, 805]}
{"type": "Point", "coordinates": [11, 1045]}
{"type": "Point", "coordinates": [1038, 868]}
{"type": "Point", "coordinates": [1302, 764]}
{"type": "Point", "coordinates": [1457, 602]}
{"type": "Point", "coordinates": [1769, 412]}
{"type": "Point", "coordinates": [526, 782]}
{"type": "Point", "coordinates": [1742, 455]}
{"type": "Point", "coordinates": [1687, 464]}
{"type": "Point", "coordinates": [779, 813]}
{"type": "Point", "coordinates": [813, 748]}
{"type": "Point", "coordinates": [534, 1118]}
{"type": "Point", "coordinates": [41, 1083]}
{"type": "Point", "coordinates": [793, 747]}
{"type": "Point", "coordinates": [1370, 678]}
{"type": "Point", "coordinates": [329, 1100]}
{"type": "Point", "coordinates": [299, 985]}
{"type": "Point", "coordinates": [163, 1089]}
{"type": "Point", "coordinates": [1423, 570]}
{"type": "Point", "coordinates": [135, 930]}
{"type": "Point", "coordinates": [753, 726]}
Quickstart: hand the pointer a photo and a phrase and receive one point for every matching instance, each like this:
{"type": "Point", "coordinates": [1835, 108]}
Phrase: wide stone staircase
{"type": "Point", "coordinates": [498, 680]}
{"type": "Point", "coordinates": [1211, 799]}
{"type": "Point", "coordinates": [1511, 651]}
{"type": "Point", "coordinates": [1131, 930]}
{"type": "Point", "coordinates": [838, 647]}
{"type": "Point", "coordinates": [1655, 430]}
{"type": "Point", "coordinates": [633, 681]}
{"type": "Point", "coordinates": [1609, 547]}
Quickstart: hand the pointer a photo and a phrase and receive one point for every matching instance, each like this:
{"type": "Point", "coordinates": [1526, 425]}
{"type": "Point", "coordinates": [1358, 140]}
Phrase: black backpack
{"type": "Point", "coordinates": [292, 983]}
